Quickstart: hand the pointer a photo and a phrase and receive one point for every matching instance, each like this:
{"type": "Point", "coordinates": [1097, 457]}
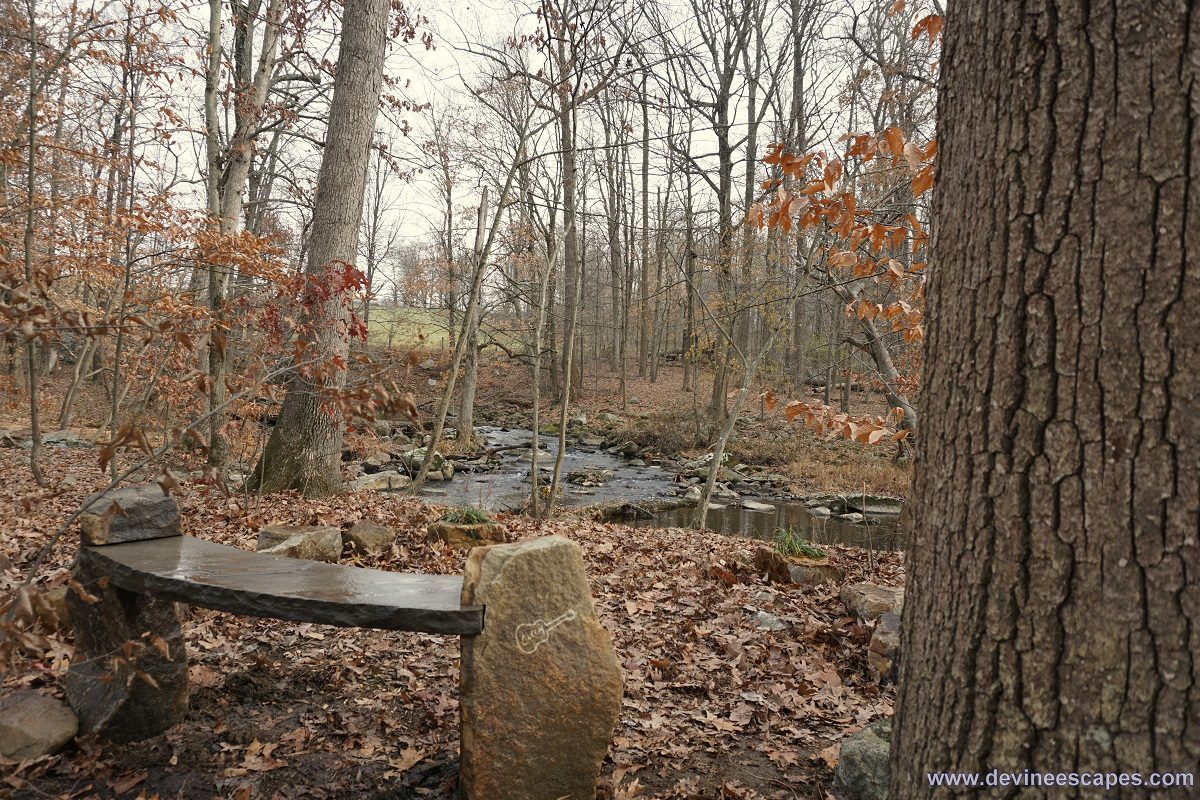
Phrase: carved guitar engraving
{"type": "Point", "coordinates": [532, 635]}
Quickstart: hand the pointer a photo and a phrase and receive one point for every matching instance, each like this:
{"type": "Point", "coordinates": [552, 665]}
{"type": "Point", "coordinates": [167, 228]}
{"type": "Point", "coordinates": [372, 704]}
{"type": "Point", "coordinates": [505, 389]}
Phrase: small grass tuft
{"type": "Point", "coordinates": [466, 516]}
{"type": "Point", "coordinates": [790, 543]}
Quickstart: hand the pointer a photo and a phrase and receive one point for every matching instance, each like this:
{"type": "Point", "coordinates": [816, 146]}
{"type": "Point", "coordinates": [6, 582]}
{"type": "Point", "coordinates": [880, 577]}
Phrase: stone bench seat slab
{"type": "Point", "coordinates": [211, 575]}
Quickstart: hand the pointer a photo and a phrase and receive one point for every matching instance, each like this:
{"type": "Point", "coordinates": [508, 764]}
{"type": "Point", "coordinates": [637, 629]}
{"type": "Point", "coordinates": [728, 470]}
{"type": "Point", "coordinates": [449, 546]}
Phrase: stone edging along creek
{"type": "Point", "coordinates": [620, 485]}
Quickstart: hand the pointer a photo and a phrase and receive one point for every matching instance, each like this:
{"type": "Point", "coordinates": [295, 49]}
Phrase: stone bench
{"type": "Point", "coordinates": [540, 682]}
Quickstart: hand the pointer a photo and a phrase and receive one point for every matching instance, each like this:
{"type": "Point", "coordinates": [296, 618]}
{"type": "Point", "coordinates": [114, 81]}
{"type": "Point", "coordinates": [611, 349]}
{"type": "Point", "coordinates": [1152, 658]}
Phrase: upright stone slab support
{"type": "Point", "coordinates": [121, 682]}
{"type": "Point", "coordinates": [541, 685]}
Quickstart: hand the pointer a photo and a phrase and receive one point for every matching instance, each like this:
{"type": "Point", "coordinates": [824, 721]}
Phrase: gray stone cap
{"type": "Point", "coordinates": [211, 575]}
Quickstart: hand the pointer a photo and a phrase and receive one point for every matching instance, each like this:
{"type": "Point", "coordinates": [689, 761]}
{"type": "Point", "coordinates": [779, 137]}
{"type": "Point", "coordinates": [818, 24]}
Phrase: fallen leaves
{"type": "Point", "coordinates": [714, 705]}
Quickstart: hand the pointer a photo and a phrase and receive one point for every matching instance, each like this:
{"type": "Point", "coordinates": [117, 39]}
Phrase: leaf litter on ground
{"type": "Point", "coordinates": [715, 704]}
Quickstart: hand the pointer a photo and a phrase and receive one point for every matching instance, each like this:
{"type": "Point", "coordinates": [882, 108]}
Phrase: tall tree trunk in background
{"type": "Point", "coordinates": [627, 281]}
{"type": "Point", "coordinates": [304, 451]}
{"type": "Point", "coordinates": [570, 182]}
{"type": "Point", "coordinates": [251, 92]}
{"type": "Point", "coordinates": [1053, 614]}
{"type": "Point", "coordinates": [798, 19]}
{"type": "Point", "coordinates": [660, 298]}
{"type": "Point", "coordinates": [612, 209]}
{"type": "Point", "coordinates": [688, 354]}
{"type": "Point", "coordinates": [564, 408]}
{"type": "Point", "coordinates": [198, 286]}
{"type": "Point", "coordinates": [451, 275]}
{"type": "Point", "coordinates": [725, 299]}
{"type": "Point", "coordinates": [747, 294]}
{"type": "Point", "coordinates": [482, 248]}
{"type": "Point", "coordinates": [536, 418]}
{"type": "Point", "coordinates": [466, 406]}
{"type": "Point", "coordinates": [35, 429]}
{"type": "Point", "coordinates": [749, 363]}
{"type": "Point", "coordinates": [644, 299]}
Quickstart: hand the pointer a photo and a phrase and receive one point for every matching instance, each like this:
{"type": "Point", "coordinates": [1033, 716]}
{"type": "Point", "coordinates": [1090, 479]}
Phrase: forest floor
{"type": "Point", "coordinates": [715, 706]}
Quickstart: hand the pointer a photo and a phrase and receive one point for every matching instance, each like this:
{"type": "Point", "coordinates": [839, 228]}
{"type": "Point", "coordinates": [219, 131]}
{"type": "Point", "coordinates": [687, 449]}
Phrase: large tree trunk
{"type": "Point", "coordinates": [304, 451]}
{"type": "Point", "coordinates": [1053, 612]}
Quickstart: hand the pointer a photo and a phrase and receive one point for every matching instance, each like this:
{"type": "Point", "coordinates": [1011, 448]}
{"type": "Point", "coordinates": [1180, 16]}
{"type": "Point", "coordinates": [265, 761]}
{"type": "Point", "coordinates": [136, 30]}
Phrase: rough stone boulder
{"type": "Point", "coordinates": [814, 571]}
{"type": "Point", "coordinates": [804, 571]}
{"type": "Point", "coordinates": [143, 695]}
{"type": "Point", "coordinates": [381, 482]}
{"type": "Point", "coordinates": [874, 505]}
{"type": "Point", "coordinates": [770, 561]}
{"type": "Point", "coordinates": [699, 468]}
{"type": "Point", "coordinates": [23, 439]}
{"type": "Point", "coordinates": [414, 457]}
{"type": "Point", "coordinates": [862, 770]}
{"type": "Point", "coordinates": [466, 535]}
{"type": "Point", "coordinates": [541, 685]}
{"type": "Point", "coordinates": [144, 513]}
{"type": "Point", "coordinates": [884, 648]}
{"type": "Point", "coordinates": [443, 474]}
{"type": "Point", "coordinates": [590, 476]}
{"type": "Point", "coordinates": [33, 725]}
{"type": "Point", "coordinates": [309, 542]}
{"type": "Point", "coordinates": [869, 600]}
{"type": "Point", "coordinates": [834, 503]}
{"type": "Point", "coordinates": [367, 537]}
{"type": "Point", "coordinates": [376, 460]}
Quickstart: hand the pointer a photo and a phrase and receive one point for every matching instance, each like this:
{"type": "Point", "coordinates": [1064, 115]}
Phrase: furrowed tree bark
{"type": "Point", "coordinates": [304, 451]}
{"type": "Point", "coordinates": [1053, 614]}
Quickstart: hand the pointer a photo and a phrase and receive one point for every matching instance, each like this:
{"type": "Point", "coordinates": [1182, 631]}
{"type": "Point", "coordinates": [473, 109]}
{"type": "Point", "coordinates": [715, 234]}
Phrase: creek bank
{"type": "Point", "coordinates": [616, 480]}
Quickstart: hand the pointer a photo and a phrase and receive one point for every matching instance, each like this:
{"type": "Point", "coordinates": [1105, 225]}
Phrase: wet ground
{"type": "Point", "coordinates": [498, 480]}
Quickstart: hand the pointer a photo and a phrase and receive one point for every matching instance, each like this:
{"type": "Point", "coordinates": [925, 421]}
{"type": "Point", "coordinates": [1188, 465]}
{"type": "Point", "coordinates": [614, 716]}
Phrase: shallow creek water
{"type": "Point", "coordinates": [500, 482]}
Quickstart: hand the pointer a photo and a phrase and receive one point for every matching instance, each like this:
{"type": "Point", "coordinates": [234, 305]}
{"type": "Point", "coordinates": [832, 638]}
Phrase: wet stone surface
{"type": "Point", "coordinates": [257, 584]}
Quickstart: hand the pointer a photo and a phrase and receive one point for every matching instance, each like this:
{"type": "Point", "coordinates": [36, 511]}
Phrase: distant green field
{"type": "Point", "coordinates": [404, 327]}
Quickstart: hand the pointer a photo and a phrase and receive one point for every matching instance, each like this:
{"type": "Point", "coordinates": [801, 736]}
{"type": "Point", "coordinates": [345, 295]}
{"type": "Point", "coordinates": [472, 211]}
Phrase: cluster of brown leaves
{"type": "Point", "coordinates": [823, 419]}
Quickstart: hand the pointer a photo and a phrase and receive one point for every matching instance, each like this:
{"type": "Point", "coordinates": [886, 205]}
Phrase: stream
{"type": "Point", "coordinates": [654, 494]}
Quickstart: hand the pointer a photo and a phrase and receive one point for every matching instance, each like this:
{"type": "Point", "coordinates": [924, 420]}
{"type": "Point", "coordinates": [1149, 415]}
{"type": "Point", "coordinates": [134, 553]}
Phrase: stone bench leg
{"type": "Point", "coordinates": [119, 683]}
{"type": "Point", "coordinates": [541, 685]}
